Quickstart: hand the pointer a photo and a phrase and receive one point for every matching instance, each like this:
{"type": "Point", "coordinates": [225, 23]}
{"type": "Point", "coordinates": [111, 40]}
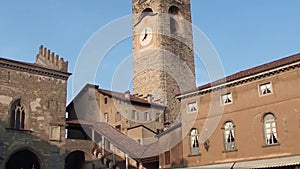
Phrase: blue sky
{"type": "Point", "coordinates": [245, 33]}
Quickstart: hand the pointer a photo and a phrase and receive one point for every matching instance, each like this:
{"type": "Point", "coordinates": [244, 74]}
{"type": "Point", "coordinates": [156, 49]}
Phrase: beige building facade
{"type": "Point", "coordinates": [248, 120]}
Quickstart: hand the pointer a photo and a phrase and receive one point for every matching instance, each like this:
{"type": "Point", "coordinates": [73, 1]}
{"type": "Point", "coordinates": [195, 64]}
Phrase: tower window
{"type": "Point", "coordinates": [105, 100]}
{"type": "Point", "coordinates": [229, 136]}
{"type": "Point", "coordinates": [194, 142]}
{"type": "Point", "coordinates": [174, 10]}
{"type": "Point", "coordinates": [265, 89]}
{"type": "Point", "coordinates": [270, 129]}
{"type": "Point", "coordinates": [17, 115]}
{"type": "Point", "coordinates": [174, 26]}
{"type": "Point", "coordinates": [146, 12]}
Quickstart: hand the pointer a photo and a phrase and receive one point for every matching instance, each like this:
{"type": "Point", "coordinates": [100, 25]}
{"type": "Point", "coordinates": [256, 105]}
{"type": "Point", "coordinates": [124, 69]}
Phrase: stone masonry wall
{"type": "Point", "coordinates": [43, 95]}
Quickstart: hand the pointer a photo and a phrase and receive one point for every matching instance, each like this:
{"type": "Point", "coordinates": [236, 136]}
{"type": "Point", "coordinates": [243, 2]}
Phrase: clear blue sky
{"type": "Point", "coordinates": [245, 33]}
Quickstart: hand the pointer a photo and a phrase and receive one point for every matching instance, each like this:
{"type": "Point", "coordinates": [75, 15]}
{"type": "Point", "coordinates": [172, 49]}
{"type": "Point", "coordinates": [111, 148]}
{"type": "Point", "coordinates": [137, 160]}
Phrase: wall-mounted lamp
{"type": "Point", "coordinates": [207, 144]}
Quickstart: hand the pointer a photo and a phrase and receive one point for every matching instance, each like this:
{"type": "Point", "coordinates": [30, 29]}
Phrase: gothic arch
{"type": "Point", "coordinates": [18, 115]}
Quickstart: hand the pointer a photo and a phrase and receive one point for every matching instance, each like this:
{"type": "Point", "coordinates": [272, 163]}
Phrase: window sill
{"type": "Point", "coordinates": [194, 155]}
{"type": "Point", "coordinates": [21, 130]}
{"type": "Point", "coordinates": [229, 151]}
{"type": "Point", "coordinates": [270, 145]}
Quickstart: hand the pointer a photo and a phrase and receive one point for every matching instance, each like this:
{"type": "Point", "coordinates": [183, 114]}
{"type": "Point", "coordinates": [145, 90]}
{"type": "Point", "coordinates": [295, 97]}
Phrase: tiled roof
{"type": "Point", "coordinates": [120, 140]}
{"type": "Point", "coordinates": [252, 71]}
{"type": "Point", "coordinates": [133, 99]}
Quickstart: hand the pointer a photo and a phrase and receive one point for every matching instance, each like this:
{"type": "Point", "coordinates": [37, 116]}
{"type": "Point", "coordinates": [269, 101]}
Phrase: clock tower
{"type": "Point", "coordinates": [163, 57]}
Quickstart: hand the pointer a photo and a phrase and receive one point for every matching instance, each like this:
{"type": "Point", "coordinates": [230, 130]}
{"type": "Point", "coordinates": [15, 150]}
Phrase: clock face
{"type": "Point", "coordinates": [146, 36]}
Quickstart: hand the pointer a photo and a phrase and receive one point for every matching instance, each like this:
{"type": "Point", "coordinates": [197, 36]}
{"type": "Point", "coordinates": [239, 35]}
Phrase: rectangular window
{"type": "Point", "coordinates": [192, 107]}
{"type": "Point", "coordinates": [147, 116]}
{"type": "Point", "coordinates": [265, 89]}
{"type": "Point", "coordinates": [118, 116]}
{"type": "Point", "coordinates": [105, 117]}
{"type": "Point", "coordinates": [157, 118]}
{"type": "Point", "coordinates": [226, 98]}
{"type": "Point", "coordinates": [133, 115]}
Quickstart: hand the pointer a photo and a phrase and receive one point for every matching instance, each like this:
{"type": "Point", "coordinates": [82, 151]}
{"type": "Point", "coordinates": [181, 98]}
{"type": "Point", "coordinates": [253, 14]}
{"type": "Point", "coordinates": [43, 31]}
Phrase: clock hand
{"type": "Point", "coordinates": [145, 37]}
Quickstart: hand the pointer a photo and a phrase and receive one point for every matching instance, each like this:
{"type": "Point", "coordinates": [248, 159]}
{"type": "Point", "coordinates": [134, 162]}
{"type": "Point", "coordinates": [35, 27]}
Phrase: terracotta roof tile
{"type": "Point", "coordinates": [121, 96]}
{"type": "Point", "coordinates": [251, 71]}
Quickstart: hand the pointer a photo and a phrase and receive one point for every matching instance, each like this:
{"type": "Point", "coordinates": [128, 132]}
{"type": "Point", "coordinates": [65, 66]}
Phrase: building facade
{"type": "Point", "coordinates": [32, 103]}
{"type": "Point", "coordinates": [248, 120]}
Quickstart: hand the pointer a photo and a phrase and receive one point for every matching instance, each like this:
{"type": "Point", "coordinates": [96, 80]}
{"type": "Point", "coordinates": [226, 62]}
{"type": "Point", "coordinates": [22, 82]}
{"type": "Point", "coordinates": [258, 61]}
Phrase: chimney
{"type": "Point", "coordinates": [150, 98]}
{"type": "Point", "coordinates": [127, 94]}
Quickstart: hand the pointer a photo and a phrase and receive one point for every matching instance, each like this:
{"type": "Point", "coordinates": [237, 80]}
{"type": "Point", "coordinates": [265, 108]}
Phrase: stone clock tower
{"type": "Point", "coordinates": [163, 59]}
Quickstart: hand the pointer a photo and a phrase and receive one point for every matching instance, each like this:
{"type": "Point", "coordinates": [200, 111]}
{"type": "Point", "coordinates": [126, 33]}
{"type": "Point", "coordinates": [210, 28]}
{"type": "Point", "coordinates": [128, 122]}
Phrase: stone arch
{"type": "Point", "coordinates": [75, 159]}
{"type": "Point", "coordinates": [24, 158]}
{"type": "Point", "coordinates": [146, 12]}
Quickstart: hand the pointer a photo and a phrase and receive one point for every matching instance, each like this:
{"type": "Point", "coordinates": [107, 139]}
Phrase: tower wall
{"type": "Point", "coordinates": [164, 66]}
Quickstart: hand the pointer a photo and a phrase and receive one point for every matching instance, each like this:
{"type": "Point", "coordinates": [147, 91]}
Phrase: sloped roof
{"type": "Point", "coordinates": [250, 72]}
{"type": "Point", "coordinates": [120, 140]}
{"type": "Point", "coordinates": [118, 95]}
{"type": "Point", "coordinates": [121, 96]}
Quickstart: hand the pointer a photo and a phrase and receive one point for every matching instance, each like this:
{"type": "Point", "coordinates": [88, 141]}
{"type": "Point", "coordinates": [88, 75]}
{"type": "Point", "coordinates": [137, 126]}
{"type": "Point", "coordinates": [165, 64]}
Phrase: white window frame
{"type": "Point", "coordinates": [267, 85]}
{"type": "Point", "coordinates": [194, 142]}
{"type": "Point", "coordinates": [226, 96]}
{"type": "Point", "coordinates": [229, 136]}
{"type": "Point", "coordinates": [192, 107]}
{"type": "Point", "coordinates": [270, 130]}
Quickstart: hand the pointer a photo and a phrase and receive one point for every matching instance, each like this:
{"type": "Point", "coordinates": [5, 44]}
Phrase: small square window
{"type": "Point", "coordinates": [265, 89]}
{"type": "Point", "coordinates": [54, 133]}
{"type": "Point", "coordinates": [226, 98]}
{"type": "Point", "coordinates": [192, 107]}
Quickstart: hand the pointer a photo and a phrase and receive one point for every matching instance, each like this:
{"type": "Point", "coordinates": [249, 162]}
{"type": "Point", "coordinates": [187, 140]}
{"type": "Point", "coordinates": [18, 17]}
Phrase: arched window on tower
{"type": "Point", "coordinates": [229, 136]}
{"type": "Point", "coordinates": [194, 142]}
{"type": "Point", "coordinates": [174, 19]}
{"type": "Point", "coordinates": [270, 129]}
{"type": "Point", "coordinates": [147, 11]}
{"type": "Point", "coordinates": [17, 115]}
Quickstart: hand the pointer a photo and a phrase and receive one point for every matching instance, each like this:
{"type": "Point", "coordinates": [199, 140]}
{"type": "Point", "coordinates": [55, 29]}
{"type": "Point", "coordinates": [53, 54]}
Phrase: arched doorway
{"type": "Point", "coordinates": [23, 159]}
{"type": "Point", "coordinates": [75, 160]}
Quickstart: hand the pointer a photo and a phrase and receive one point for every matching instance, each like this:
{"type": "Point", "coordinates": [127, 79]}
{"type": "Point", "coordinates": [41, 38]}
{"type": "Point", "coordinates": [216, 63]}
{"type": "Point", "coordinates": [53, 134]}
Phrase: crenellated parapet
{"type": "Point", "coordinates": [48, 59]}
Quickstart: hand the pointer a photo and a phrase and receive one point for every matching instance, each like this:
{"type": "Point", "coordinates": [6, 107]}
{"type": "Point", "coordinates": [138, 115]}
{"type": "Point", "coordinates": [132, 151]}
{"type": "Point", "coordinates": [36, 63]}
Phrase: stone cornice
{"type": "Point", "coordinates": [33, 68]}
{"type": "Point", "coordinates": [211, 88]}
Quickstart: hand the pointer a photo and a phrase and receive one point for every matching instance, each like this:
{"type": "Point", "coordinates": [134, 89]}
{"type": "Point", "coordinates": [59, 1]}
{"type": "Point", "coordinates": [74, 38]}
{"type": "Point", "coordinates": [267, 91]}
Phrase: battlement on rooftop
{"type": "Point", "coordinates": [49, 59]}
